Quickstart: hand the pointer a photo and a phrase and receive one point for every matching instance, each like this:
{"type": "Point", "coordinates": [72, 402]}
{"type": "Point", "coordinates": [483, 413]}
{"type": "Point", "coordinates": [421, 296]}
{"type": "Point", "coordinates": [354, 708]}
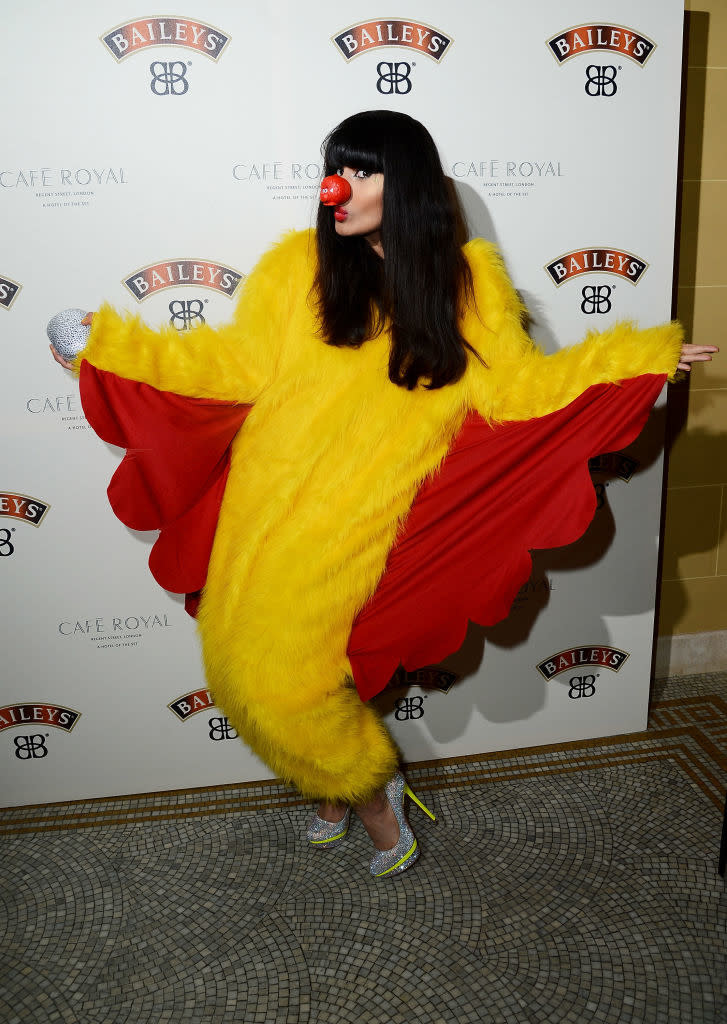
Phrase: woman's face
{"type": "Point", "coordinates": [362, 213]}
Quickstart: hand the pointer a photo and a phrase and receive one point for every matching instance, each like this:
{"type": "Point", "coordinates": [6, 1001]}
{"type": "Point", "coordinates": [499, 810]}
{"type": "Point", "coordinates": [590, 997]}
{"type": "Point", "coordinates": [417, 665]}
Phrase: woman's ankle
{"type": "Point", "coordinates": [331, 812]}
{"type": "Point", "coordinates": [376, 805]}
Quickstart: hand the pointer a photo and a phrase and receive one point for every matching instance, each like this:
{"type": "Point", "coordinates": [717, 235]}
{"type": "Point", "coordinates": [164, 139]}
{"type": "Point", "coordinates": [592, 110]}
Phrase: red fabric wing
{"type": "Point", "coordinates": [464, 550]}
{"type": "Point", "coordinates": [173, 475]}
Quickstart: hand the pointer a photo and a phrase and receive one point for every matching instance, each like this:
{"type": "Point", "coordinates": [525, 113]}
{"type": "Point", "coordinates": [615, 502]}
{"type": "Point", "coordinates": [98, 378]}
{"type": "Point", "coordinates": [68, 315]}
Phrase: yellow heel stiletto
{"type": "Point", "coordinates": [412, 796]}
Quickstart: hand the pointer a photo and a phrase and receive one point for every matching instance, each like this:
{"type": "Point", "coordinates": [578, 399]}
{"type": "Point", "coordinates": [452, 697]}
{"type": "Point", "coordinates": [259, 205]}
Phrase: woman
{"type": "Point", "coordinates": [363, 354]}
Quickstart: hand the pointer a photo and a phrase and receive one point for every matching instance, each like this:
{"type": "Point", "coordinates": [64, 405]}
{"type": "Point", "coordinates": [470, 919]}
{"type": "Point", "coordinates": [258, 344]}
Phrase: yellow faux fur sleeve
{"type": "Point", "coordinates": [234, 362]}
{"type": "Point", "coordinates": [521, 382]}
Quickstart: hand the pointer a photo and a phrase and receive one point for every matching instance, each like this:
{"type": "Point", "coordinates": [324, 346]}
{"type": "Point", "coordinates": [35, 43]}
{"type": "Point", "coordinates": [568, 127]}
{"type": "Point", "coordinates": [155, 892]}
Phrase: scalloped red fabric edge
{"type": "Point", "coordinates": [463, 551]}
{"type": "Point", "coordinates": [172, 477]}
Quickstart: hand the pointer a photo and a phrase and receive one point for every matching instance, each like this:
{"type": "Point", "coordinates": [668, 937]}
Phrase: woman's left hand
{"type": "Point", "coordinates": [695, 354]}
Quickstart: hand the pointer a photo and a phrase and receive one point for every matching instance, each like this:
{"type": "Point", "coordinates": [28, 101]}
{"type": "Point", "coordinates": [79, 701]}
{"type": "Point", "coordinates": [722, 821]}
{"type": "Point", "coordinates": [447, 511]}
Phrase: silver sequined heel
{"type": "Point", "coordinates": [323, 833]}
{"type": "Point", "coordinates": [406, 851]}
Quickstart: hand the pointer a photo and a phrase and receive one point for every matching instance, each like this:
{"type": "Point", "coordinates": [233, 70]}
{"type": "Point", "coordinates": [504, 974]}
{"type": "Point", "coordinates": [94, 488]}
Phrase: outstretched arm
{"type": "Point", "coordinates": [536, 384]}
{"type": "Point", "coordinates": [520, 382]}
{"type": "Point", "coordinates": [233, 362]}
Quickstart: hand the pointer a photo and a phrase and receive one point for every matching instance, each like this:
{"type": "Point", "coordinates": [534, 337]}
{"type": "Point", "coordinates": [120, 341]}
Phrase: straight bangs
{"type": "Point", "coordinates": [352, 149]}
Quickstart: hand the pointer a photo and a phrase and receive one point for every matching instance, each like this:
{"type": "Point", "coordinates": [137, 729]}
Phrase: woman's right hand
{"type": "Point", "coordinates": [59, 358]}
{"type": "Point", "coordinates": [87, 321]}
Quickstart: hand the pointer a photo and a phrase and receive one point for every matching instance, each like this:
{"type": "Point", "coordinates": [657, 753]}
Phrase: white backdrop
{"type": "Point", "coordinates": [132, 141]}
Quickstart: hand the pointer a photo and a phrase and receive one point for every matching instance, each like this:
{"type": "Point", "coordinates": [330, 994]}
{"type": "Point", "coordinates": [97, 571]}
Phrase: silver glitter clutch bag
{"type": "Point", "coordinates": [67, 334]}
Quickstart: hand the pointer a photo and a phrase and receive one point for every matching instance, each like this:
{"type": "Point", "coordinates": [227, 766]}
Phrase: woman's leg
{"type": "Point", "coordinates": [379, 821]}
{"type": "Point", "coordinates": [377, 816]}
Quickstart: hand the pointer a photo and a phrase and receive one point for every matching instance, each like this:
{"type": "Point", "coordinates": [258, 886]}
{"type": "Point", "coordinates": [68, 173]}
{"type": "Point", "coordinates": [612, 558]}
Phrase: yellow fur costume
{"type": "Point", "coordinates": [323, 472]}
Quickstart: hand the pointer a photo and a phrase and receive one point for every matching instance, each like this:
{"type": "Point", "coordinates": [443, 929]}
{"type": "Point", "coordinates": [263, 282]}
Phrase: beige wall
{"type": "Point", "coordinates": [694, 568]}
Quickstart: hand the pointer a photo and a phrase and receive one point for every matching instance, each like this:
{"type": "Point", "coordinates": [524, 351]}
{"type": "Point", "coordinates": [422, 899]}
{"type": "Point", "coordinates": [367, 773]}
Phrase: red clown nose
{"type": "Point", "coordinates": [335, 190]}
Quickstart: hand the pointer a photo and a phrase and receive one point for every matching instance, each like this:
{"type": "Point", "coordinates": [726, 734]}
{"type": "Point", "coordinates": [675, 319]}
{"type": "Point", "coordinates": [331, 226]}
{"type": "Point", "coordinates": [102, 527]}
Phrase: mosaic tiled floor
{"type": "Point", "coordinates": [568, 884]}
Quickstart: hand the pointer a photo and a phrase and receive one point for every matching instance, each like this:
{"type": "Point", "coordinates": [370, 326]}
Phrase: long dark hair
{"type": "Point", "coordinates": [424, 280]}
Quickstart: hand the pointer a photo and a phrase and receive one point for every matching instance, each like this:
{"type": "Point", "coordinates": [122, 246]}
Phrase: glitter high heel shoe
{"type": "Point", "coordinates": [406, 851]}
{"type": "Point", "coordinates": [323, 833]}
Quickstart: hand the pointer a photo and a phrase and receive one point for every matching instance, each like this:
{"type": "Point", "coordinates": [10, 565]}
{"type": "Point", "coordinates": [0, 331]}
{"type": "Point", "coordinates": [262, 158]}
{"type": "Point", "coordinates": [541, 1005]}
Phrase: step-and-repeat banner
{"type": "Point", "coordinates": [148, 159]}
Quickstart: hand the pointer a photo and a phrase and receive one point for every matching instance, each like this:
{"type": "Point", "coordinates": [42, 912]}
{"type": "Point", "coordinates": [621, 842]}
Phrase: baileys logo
{"type": "Point", "coordinates": [133, 36]}
{"type": "Point", "coordinates": [191, 703]}
{"type": "Point", "coordinates": [431, 677]}
{"type": "Point", "coordinates": [576, 657]}
{"type": "Point", "coordinates": [40, 713]}
{"type": "Point", "coordinates": [598, 260]}
{"type": "Point", "coordinates": [611, 38]}
{"type": "Point", "coordinates": [412, 35]}
{"type": "Point", "coordinates": [8, 292]}
{"type": "Point", "coordinates": [615, 464]}
{"type": "Point", "coordinates": [22, 506]}
{"type": "Point", "coordinates": [176, 273]}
